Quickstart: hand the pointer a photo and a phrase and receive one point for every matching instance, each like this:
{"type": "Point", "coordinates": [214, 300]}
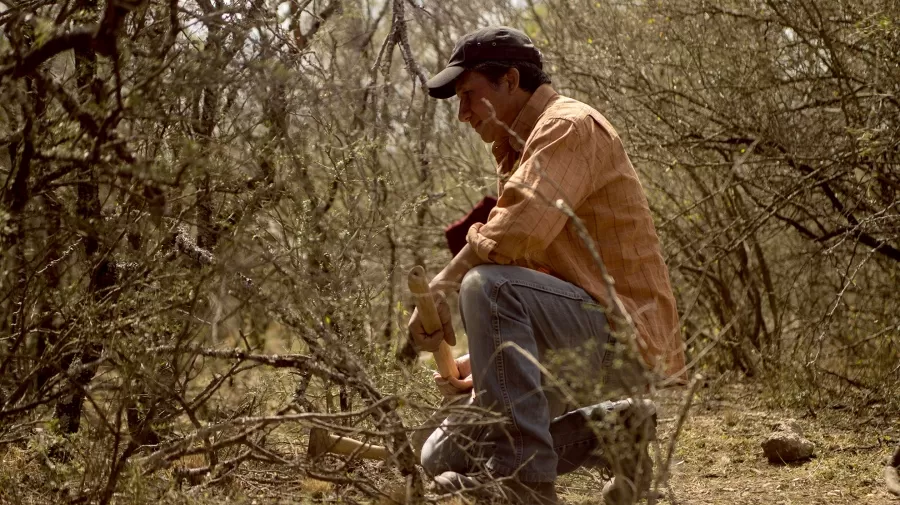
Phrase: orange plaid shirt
{"type": "Point", "coordinates": [571, 152]}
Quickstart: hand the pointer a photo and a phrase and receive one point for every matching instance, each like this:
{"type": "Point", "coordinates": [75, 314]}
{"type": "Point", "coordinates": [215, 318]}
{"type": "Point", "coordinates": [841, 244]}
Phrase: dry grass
{"type": "Point", "coordinates": [718, 461]}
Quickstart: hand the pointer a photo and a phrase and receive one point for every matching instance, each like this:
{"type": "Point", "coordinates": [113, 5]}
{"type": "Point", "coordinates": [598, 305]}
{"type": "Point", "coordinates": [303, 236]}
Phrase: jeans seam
{"type": "Point", "coordinates": [586, 441]}
{"type": "Point", "coordinates": [501, 372]}
{"type": "Point", "coordinates": [546, 289]}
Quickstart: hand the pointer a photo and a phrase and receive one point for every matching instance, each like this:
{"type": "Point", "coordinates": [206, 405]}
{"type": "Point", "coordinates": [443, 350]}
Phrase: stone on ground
{"type": "Point", "coordinates": [787, 444]}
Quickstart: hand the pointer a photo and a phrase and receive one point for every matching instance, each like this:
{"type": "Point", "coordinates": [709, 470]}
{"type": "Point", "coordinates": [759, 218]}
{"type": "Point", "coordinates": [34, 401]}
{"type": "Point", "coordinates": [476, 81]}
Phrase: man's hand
{"type": "Point", "coordinates": [452, 386]}
{"type": "Point", "coordinates": [430, 342]}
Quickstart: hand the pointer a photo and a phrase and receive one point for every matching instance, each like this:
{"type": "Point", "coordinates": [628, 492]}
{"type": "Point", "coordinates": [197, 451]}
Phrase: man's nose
{"type": "Point", "coordinates": [465, 113]}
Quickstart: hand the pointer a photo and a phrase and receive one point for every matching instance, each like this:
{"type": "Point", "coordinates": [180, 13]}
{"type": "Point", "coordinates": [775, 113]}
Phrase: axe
{"type": "Point", "coordinates": [321, 442]}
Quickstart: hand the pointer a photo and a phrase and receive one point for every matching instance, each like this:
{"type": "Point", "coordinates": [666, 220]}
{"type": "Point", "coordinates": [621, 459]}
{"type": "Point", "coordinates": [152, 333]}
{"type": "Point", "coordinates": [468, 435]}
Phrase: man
{"type": "Point", "coordinates": [528, 284]}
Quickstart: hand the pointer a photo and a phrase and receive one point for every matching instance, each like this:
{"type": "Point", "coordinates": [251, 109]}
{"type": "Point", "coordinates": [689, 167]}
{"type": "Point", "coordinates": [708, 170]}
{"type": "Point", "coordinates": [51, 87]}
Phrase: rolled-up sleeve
{"type": "Point", "coordinates": [554, 165]}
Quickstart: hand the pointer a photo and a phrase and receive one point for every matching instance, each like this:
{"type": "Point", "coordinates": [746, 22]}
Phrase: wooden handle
{"type": "Point", "coordinates": [321, 442]}
{"type": "Point", "coordinates": [446, 365]}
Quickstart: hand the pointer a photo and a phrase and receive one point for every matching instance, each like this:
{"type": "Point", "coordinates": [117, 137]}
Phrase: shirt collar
{"type": "Point", "coordinates": [528, 116]}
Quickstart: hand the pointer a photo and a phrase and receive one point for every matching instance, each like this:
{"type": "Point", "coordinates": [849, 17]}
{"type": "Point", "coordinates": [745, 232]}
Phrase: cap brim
{"type": "Point", "coordinates": [443, 85]}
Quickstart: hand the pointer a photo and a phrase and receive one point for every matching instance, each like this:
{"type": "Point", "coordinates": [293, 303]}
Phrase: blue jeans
{"type": "Point", "coordinates": [516, 320]}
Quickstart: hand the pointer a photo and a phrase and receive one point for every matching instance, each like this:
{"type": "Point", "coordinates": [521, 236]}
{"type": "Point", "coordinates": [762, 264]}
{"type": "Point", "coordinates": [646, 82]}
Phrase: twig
{"type": "Point", "coordinates": [663, 475]}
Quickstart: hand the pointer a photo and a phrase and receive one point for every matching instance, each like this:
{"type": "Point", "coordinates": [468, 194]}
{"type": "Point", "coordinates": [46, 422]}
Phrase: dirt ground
{"type": "Point", "coordinates": [719, 459]}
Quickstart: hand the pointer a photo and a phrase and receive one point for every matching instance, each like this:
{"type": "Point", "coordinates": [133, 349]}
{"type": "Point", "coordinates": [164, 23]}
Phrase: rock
{"type": "Point", "coordinates": [787, 444]}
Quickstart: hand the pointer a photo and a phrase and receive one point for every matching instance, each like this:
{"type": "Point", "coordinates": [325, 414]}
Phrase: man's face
{"type": "Point", "coordinates": [474, 90]}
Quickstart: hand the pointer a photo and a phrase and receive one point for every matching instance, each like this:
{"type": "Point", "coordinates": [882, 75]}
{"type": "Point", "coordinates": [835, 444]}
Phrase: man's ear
{"type": "Point", "coordinates": [512, 79]}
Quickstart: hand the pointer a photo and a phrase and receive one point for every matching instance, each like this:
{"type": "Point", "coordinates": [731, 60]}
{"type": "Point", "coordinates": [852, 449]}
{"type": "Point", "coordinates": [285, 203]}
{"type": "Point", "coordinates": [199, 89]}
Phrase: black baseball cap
{"type": "Point", "coordinates": [494, 43]}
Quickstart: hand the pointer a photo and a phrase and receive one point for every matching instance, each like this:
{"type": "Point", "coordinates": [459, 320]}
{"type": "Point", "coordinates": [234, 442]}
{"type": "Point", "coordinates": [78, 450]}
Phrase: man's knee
{"type": "Point", "coordinates": [476, 282]}
{"type": "Point", "coordinates": [436, 457]}
{"type": "Point", "coordinates": [430, 461]}
{"type": "Point", "coordinates": [479, 282]}
{"type": "Point", "coordinates": [475, 294]}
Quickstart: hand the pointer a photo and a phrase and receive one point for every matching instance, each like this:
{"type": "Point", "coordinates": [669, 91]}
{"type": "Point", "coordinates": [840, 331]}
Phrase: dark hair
{"type": "Point", "coordinates": [530, 75]}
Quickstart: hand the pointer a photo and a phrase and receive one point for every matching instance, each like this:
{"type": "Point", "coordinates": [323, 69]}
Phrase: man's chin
{"type": "Point", "coordinates": [485, 134]}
